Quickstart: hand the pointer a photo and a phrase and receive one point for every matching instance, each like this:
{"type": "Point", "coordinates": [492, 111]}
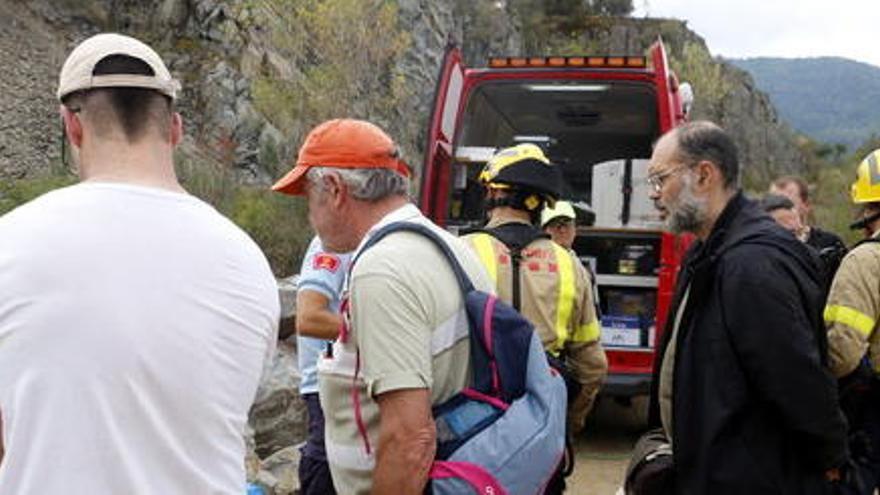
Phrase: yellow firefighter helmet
{"type": "Point", "coordinates": [866, 188]}
{"type": "Point", "coordinates": [525, 172]}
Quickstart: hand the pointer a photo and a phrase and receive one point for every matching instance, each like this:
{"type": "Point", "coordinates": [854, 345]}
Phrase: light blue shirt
{"type": "Point", "coordinates": [324, 272]}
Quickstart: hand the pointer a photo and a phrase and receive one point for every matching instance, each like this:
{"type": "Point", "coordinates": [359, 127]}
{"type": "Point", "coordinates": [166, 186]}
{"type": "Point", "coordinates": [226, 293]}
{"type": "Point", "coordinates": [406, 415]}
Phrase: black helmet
{"type": "Point", "coordinates": [526, 172]}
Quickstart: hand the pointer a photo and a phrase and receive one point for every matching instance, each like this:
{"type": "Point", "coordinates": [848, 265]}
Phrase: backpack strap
{"type": "Point", "coordinates": [516, 237]}
{"type": "Point", "coordinates": [464, 282]}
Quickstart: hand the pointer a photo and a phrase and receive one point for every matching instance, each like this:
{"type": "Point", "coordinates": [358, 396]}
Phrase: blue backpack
{"type": "Point", "coordinates": [505, 432]}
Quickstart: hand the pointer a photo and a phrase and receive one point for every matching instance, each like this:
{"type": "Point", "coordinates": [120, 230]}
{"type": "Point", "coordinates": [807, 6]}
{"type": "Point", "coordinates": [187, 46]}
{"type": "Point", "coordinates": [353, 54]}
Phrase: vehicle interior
{"type": "Point", "coordinates": [578, 123]}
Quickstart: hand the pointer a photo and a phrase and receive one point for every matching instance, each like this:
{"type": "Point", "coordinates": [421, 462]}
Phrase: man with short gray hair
{"type": "Point", "coordinates": [135, 320]}
{"type": "Point", "coordinates": [405, 346]}
{"type": "Point", "coordinates": [740, 388]}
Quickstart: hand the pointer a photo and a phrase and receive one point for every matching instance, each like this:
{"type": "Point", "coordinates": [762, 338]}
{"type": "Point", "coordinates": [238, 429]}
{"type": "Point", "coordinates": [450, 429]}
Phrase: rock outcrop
{"type": "Point", "coordinates": [278, 420]}
{"type": "Point", "coordinates": [225, 51]}
{"type": "Point", "coordinates": [278, 416]}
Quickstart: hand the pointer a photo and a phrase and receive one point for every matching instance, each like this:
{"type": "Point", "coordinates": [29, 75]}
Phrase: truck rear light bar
{"type": "Point", "coordinates": [625, 62]}
{"type": "Point", "coordinates": [558, 88]}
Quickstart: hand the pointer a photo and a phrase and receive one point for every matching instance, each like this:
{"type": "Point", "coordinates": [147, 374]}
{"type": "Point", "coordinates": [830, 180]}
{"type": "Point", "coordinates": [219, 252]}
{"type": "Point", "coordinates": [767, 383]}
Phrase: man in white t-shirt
{"type": "Point", "coordinates": [135, 320]}
{"type": "Point", "coordinates": [408, 327]}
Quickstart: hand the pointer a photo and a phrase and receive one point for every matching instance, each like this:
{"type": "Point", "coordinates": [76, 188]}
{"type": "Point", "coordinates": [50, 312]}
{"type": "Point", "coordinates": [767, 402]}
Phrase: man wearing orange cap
{"type": "Point", "coordinates": [406, 347]}
{"type": "Point", "coordinates": [135, 320]}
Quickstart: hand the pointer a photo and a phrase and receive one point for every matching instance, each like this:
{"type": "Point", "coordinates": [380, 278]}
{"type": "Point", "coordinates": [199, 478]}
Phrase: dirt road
{"type": "Point", "coordinates": [604, 447]}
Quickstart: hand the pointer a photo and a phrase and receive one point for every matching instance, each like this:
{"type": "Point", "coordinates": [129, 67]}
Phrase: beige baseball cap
{"type": "Point", "coordinates": [78, 71]}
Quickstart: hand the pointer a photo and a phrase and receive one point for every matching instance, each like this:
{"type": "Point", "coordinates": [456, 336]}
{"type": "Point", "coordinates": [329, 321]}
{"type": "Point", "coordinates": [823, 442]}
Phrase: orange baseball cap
{"type": "Point", "coordinates": [342, 143]}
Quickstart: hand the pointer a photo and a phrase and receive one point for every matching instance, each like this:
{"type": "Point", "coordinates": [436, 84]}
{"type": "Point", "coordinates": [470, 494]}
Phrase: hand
{"type": "Point", "coordinates": [833, 475]}
{"type": "Point", "coordinates": [846, 479]}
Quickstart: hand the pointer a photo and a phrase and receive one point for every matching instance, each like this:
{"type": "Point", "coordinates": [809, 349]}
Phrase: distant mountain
{"type": "Point", "coordinates": [831, 99]}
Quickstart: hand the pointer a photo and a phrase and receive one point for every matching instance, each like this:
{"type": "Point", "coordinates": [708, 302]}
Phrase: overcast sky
{"type": "Point", "coordinates": [779, 28]}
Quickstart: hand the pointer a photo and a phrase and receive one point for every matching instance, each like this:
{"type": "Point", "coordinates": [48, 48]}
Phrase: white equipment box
{"type": "Point", "coordinates": [609, 195]}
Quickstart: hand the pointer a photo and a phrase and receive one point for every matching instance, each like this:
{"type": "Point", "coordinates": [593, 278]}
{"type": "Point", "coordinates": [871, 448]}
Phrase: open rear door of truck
{"type": "Point", "coordinates": [441, 136]}
{"type": "Point", "coordinates": [668, 98]}
{"type": "Point", "coordinates": [670, 114]}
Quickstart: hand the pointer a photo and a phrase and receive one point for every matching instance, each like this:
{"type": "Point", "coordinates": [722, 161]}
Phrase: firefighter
{"type": "Point", "coordinates": [559, 222]}
{"type": "Point", "coordinates": [851, 315]}
{"type": "Point", "coordinates": [552, 287]}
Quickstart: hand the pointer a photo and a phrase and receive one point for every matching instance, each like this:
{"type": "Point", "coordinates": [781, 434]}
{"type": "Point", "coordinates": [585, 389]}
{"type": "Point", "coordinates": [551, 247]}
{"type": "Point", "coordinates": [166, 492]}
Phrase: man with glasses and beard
{"type": "Point", "coordinates": [740, 387]}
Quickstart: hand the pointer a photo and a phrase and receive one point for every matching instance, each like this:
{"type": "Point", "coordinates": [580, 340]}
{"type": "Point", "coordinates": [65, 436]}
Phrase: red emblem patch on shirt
{"type": "Point", "coordinates": [326, 261]}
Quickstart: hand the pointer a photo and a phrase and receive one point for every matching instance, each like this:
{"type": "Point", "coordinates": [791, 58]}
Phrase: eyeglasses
{"type": "Point", "coordinates": [656, 181]}
{"type": "Point", "coordinates": [559, 223]}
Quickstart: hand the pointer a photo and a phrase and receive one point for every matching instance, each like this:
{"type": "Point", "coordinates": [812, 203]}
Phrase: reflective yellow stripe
{"type": "Point", "coordinates": [483, 245]}
{"type": "Point", "coordinates": [587, 333]}
{"type": "Point", "coordinates": [565, 303]}
{"type": "Point", "coordinates": [849, 317]}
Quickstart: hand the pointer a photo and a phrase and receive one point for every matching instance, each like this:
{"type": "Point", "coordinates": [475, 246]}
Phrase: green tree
{"type": "Point", "coordinates": [563, 27]}
{"type": "Point", "coordinates": [565, 7]}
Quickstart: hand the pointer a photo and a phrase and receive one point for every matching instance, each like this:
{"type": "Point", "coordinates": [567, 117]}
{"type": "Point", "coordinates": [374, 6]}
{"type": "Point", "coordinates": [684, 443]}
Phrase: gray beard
{"type": "Point", "coordinates": [689, 212]}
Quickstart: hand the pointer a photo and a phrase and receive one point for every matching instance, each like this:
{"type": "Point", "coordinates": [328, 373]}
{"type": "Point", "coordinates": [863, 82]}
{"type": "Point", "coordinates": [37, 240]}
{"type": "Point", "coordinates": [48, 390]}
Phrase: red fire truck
{"type": "Point", "coordinates": [597, 117]}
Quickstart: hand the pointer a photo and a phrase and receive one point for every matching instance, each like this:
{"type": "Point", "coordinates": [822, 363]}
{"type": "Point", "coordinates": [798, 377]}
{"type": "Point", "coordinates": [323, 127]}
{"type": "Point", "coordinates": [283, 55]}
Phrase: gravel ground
{"type": "Point", "coordinates": [603, 449]}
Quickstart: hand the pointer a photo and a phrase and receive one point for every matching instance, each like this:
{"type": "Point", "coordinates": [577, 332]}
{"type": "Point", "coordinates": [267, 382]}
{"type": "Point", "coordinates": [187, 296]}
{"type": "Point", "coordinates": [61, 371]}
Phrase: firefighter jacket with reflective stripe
{"type": "Point", "coordinates": [852, 310]}
{"type": "Point", "coordinates": [555, 295]}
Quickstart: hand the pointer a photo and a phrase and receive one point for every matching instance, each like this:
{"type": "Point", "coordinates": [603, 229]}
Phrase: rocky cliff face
{"type": "Point", "coordinates": [257, 74]}
{"type": "Point", "coordinates": [227, 53]}
{"type": "Point", "coordinates": [29, 128]}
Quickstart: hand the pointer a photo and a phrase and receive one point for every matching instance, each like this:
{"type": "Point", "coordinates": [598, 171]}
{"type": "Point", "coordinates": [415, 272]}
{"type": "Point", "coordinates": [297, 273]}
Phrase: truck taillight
{"type": "Point", "coordinates": [591, 61]}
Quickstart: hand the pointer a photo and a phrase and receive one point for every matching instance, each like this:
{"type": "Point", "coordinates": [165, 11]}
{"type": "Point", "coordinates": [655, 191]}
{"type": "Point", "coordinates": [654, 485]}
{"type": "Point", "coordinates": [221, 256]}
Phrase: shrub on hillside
{"type": "Point", "coordinates": [17, 192]}
{"type": "Point", "coordinates": [277, 223]}
{"type": "Point", "coordinates": [346, 53]}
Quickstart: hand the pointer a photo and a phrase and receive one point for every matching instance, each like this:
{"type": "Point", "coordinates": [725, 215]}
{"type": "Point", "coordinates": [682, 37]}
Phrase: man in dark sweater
{"type": "Point", "coordinates": [740, 389]}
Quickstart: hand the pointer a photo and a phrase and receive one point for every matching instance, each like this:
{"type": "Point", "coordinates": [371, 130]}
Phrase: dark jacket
{"type": "Point", "coordinates": [755, 410]}
{"type": "Point", "coordinates": [822, 239]}
{"type": "Point", "coordinates": [831, 250]}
